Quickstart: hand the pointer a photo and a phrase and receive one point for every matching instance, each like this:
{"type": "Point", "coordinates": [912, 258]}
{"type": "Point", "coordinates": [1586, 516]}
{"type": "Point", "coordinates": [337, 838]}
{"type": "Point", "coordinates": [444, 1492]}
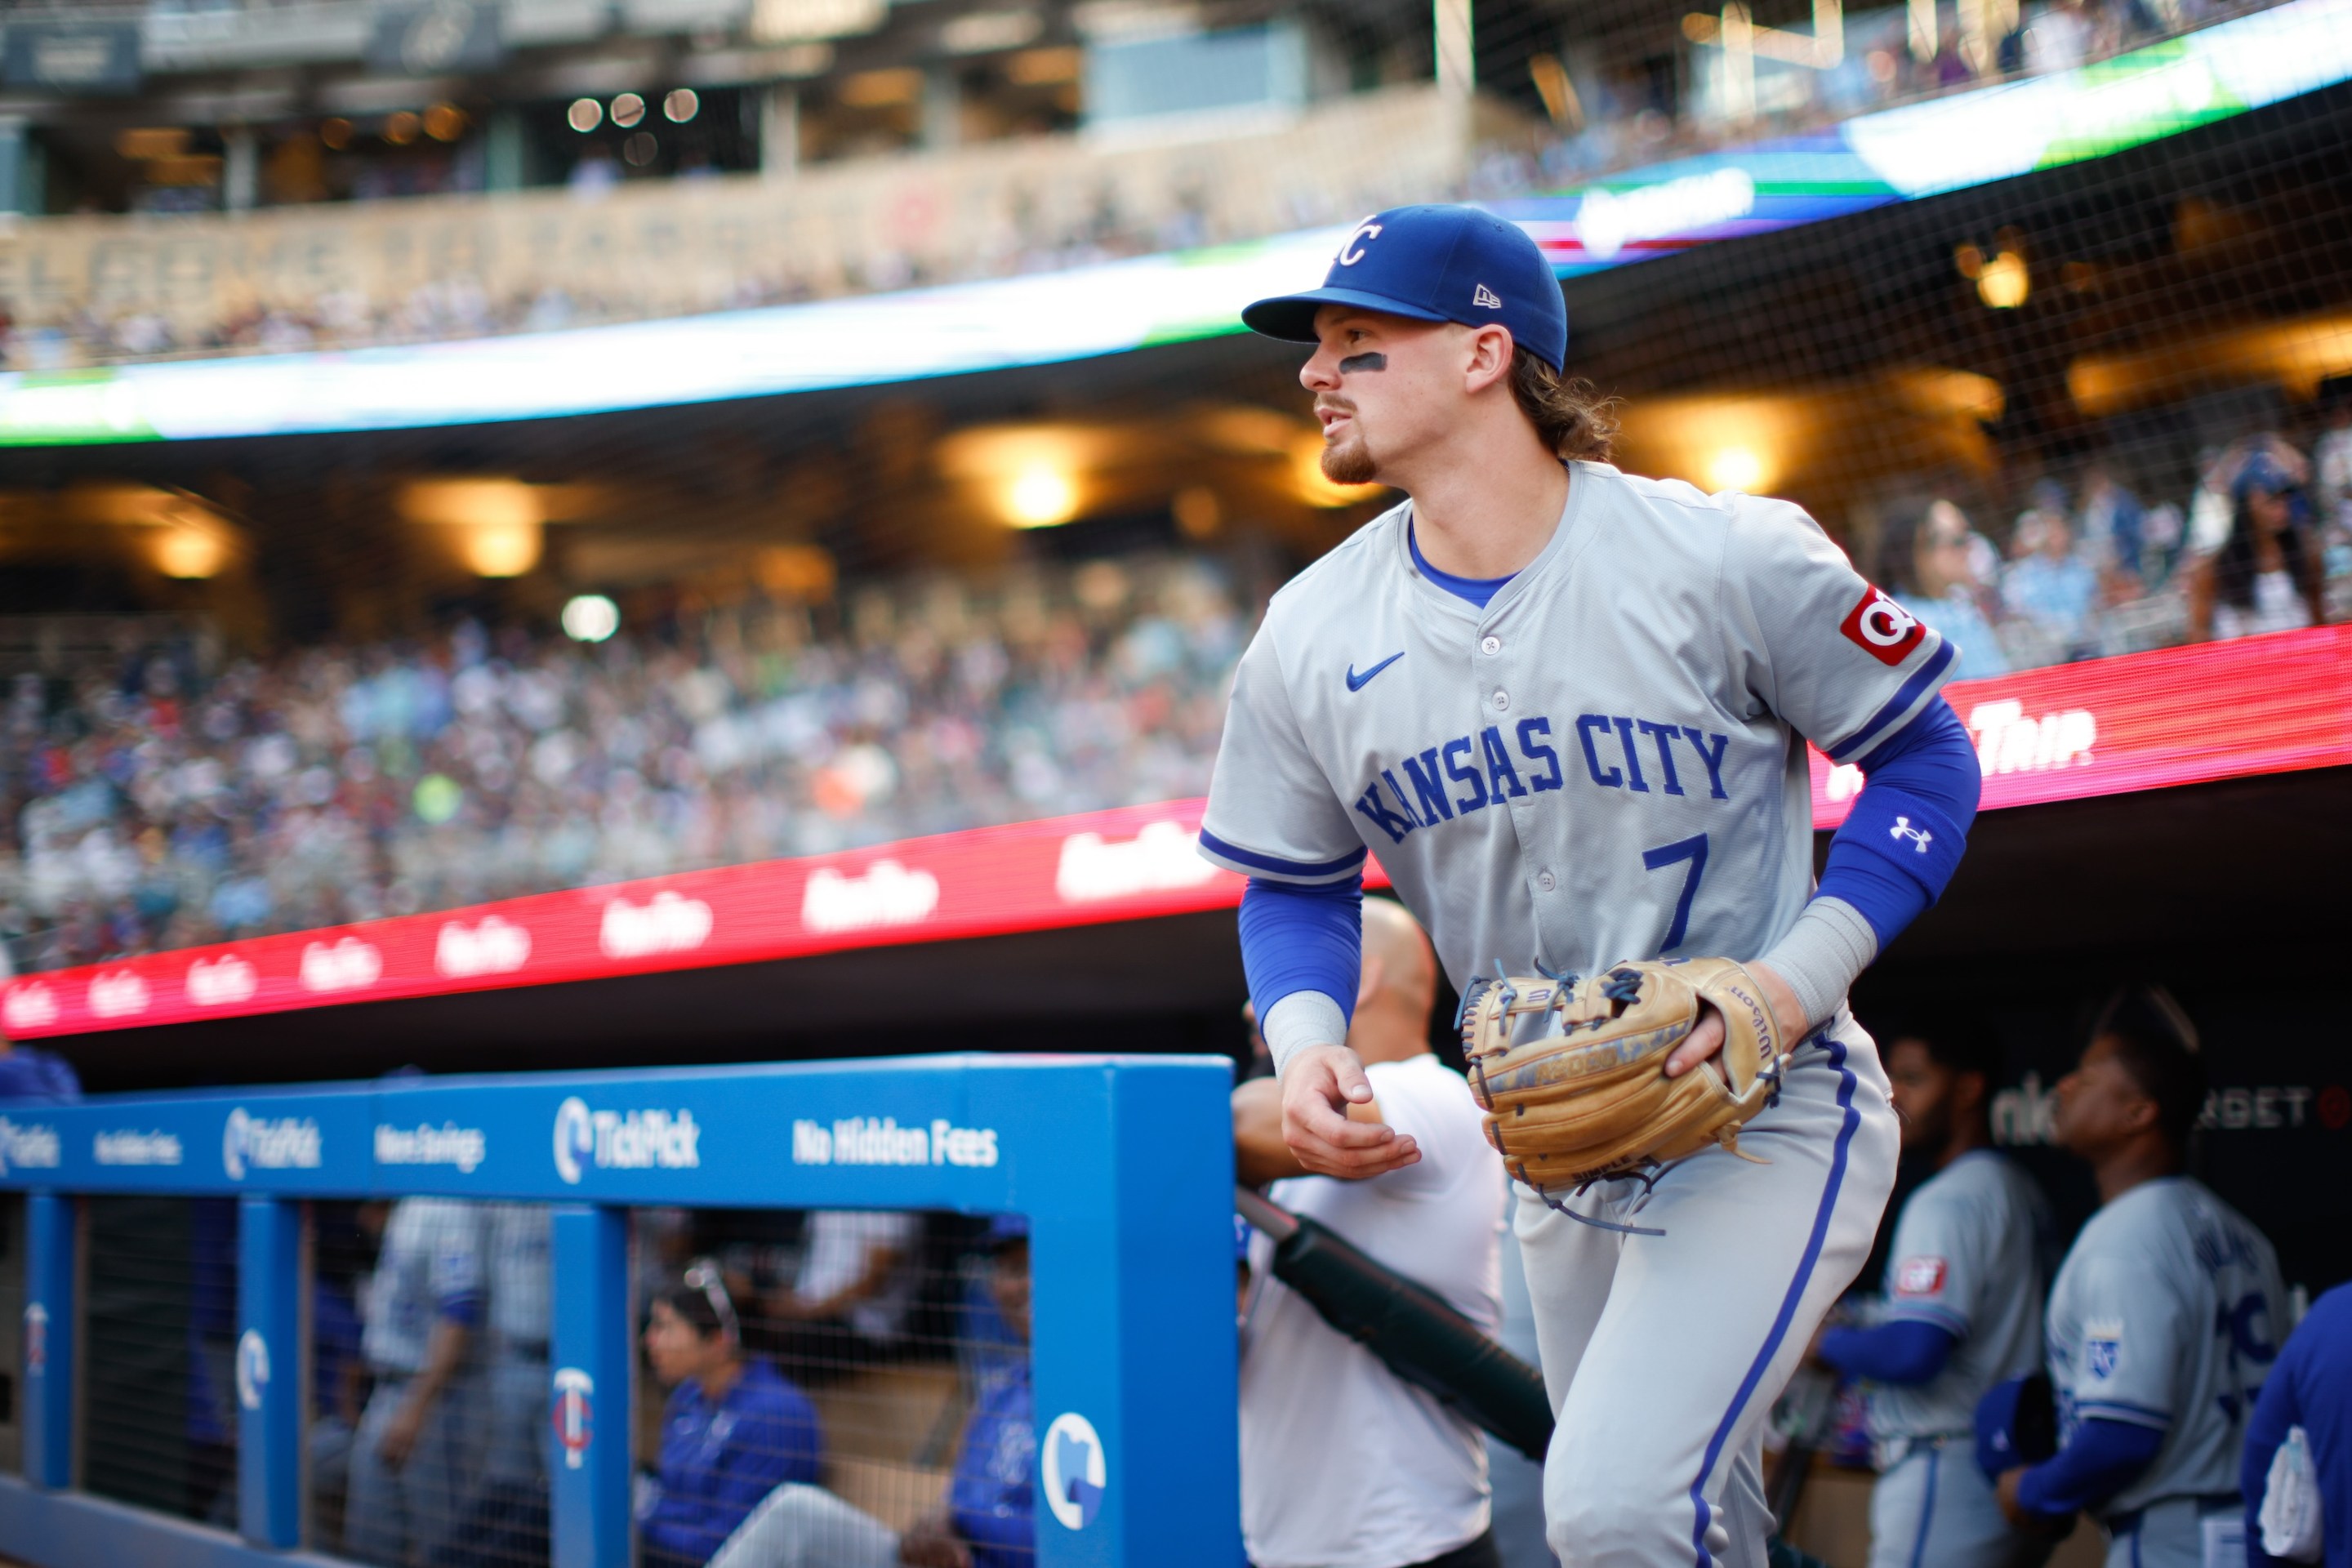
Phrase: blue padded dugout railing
{"type": "Point", "coordinates": [1123, 1166]}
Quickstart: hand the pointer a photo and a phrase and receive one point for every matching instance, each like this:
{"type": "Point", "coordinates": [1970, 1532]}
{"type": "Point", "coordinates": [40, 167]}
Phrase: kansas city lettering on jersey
{"type": "Point", "coordinates": [1506, 762]}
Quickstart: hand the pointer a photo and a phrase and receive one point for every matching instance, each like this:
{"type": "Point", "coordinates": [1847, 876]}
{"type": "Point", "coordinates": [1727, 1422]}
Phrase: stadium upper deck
{"type": "Point", "coordinates": [653, 159]}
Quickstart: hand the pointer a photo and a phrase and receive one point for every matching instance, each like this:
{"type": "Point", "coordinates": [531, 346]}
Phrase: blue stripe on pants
{"type": "Point", "coordinates": [1847, 1125]}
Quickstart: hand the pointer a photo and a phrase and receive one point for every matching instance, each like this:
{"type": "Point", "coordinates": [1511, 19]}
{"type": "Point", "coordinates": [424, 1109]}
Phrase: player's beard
{"type": "Point", "coordinates": [1349, 461]}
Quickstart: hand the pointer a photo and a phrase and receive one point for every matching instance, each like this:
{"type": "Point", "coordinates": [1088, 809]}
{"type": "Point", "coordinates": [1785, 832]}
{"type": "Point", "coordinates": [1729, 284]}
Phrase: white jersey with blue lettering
{"type": "Point", "coordinates": [1605, 763]}
{"type": "Point", "coordinates": [2167, 1314]}
{"type": "Point", "coordinates": [1967, 1257]}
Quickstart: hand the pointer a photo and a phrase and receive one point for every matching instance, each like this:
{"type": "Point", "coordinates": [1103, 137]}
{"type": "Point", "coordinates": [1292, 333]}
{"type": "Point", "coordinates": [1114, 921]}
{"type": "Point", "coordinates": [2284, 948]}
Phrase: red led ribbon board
{"type": "Point", "coordinates": [2147, 722]}
{"type": "Point", "coordinates": [2150, 720]}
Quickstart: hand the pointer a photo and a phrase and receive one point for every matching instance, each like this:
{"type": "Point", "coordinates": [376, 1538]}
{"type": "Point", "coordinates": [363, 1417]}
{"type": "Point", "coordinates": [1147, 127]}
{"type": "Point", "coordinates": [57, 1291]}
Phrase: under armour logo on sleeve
{"type": "Point", "coordinates": [1920, 837]}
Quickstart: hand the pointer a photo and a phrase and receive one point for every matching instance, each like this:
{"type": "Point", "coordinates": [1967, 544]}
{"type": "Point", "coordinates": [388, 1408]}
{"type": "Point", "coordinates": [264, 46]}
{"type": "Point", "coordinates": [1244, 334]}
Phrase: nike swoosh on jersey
{"type": "Point", "coordinates": [1358, 682]}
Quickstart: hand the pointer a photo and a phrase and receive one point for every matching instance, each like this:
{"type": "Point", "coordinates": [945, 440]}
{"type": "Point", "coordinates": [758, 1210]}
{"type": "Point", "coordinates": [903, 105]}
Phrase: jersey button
{"type": "Point", "coordinates": [1547, 882]}
{"type": "Point", "coordinates": [1502, 702]}
{"type": "Point", "coordinates": [1490, 646]}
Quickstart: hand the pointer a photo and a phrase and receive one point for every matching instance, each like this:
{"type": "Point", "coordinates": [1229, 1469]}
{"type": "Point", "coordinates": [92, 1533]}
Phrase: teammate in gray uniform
{"type": "Point", "coordinates": [1566, 707]}
{"type": "Point", "coordinates": [520, 1429]}
{"type": "Point", "coordinates": [2164, 1319]}
{"type": "Point", "coordinates": [414, 1458]}
{"type": "Point", "coordinates": [1963, 1311]}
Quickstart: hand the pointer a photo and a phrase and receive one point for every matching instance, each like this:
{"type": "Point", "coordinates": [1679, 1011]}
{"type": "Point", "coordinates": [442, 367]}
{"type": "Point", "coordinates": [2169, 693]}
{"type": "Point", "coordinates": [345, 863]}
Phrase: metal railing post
{"type": "Point", "coordinates": [269, 1371]}
{"type": "Point", "coordinates": [51, 1315]}
{"type": "Point", "coordinates": [590, 1387]}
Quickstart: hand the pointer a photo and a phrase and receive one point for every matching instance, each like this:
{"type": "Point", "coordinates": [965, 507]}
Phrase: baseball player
{"type": "Point", "coordinates": [414, 1458]}
{"type": "Point", "coordinates": [1566, 707]}
{"type": "Point", "coordinates": [2164, 1317]}
{"type": "Point", "coordinates": [1963, 1311]}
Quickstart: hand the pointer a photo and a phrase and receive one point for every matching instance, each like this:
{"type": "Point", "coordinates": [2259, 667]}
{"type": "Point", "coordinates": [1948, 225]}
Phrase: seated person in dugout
{"type": "Point", "coordinates": [733, 1431]}
{"type": "Point", "coordinates": [987, 1518]}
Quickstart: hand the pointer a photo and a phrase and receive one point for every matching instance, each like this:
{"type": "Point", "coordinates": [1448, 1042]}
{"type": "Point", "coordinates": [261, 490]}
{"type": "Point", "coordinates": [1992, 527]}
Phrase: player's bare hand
{"type": "Point", "coordinates": [400, 1435]}
{"type": "Point", "coordinates": [1318, 1086]}
{"type": "Point", "coordinates": [1706, 1037]}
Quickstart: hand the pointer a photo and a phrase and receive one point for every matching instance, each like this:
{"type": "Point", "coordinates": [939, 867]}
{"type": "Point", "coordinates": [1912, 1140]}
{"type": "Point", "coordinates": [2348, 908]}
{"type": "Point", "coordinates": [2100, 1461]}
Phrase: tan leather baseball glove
{"type": "Point", "coordinates": [1592, 1101]}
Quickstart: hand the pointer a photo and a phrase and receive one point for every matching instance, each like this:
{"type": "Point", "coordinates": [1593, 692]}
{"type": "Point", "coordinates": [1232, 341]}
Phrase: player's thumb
{"type": "Point", "coordinates": [1348, 1077]}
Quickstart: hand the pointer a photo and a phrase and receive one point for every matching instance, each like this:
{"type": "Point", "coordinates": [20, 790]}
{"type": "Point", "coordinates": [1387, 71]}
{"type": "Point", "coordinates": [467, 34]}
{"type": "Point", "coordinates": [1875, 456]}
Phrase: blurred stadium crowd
{"type": "Point", "coordinates": [158, 803]}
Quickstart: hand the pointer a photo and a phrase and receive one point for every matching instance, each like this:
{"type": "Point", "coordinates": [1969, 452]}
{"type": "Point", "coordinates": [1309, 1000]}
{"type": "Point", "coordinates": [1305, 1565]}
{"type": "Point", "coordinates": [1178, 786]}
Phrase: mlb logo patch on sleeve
{"type": "Point", "coordinates": [1919, 1276]}
{"type": "Point", "coordinates": [1881, 628]}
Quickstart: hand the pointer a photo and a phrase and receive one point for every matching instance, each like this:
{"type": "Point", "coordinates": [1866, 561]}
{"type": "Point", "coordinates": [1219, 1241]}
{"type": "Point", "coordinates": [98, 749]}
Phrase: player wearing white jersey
{"type": "Point", "coordinates": [1963, 1311]}
{"type": "Point", "coordinates": [1566, 707]}
{"type": "Point", "coordinates": [2164, 1319]}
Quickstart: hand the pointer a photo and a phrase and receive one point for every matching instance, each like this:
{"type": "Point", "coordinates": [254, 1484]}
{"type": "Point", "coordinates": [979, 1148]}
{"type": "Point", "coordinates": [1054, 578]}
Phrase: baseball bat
{"type": "Point", "coordinates": [1414, 1332]}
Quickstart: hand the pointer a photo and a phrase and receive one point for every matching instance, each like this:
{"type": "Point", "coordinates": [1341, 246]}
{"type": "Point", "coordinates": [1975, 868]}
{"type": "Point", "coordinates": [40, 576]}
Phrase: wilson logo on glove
{"type": "Point", "coordinates": [1881, 628]}
{"type": "Point", "coordinates": [1593, 1102]}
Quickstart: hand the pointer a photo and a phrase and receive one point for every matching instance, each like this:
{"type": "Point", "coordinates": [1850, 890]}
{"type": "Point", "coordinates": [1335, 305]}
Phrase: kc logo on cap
{"type": "Point", "coordinates": [1459, 264]}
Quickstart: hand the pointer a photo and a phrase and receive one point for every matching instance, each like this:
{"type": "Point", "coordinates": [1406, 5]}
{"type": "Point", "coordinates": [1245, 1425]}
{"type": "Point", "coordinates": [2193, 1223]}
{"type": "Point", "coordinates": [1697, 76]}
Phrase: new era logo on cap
{"type": "Point", "coordinates": [1487, 297]}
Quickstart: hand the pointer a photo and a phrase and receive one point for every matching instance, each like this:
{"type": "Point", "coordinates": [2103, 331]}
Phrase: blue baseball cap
{"type": "Point", "coordinates": [1434, 264]}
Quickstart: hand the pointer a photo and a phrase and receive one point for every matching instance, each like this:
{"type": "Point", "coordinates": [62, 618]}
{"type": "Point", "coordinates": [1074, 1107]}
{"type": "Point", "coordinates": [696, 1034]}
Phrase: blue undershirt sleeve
{"type": "Point", "coordinates": [1905, 1353]}
{"type": "Point", "coordinates": [2102, 1458]}
{"type": "Point", "coordinates": [1300, 938]}
{"type": "Point", "coordinates": [1903, 840]}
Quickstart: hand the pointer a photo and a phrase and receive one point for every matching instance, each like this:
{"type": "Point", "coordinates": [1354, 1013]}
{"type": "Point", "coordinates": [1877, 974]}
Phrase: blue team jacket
{"type": "Point", "coordinates": [2310, 1386]}
{"type": "Point", "coordinates": [718, 1460]}
{"type": "Point", "coordinates": [991, 1501]}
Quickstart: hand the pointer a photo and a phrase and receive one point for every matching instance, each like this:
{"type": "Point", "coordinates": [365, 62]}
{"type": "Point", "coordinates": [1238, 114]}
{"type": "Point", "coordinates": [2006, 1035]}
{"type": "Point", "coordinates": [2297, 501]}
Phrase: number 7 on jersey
{"type": "Point", "coordinates": [1694, 850]}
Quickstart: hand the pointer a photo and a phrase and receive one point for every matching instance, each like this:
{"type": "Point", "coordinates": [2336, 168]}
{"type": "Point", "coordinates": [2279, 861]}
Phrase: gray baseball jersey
{"type": "Point", "coordinates": [1604, 762]}
{"type": "Point", "coordinates": [1968, 1258]}
{"type": "Point", "coordinates": [2167, 1314]}
{"type": "Point", "coordinates": [430, 1266]}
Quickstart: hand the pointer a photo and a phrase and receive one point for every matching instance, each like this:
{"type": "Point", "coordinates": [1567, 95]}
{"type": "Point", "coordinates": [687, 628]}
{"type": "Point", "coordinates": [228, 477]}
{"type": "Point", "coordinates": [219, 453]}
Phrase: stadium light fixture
{"type": "Point", "coordinates": [1040, 497]}
{"type": "Point", "coordinates": [627, 109]}
{"type": "Point", "coordinates": [193, 543]}
{"type": "Point", "coordinates": [500, 549]}
{"type": "Point", "coordinates": [680, 105]}
{"type": "Point", "coordinates": [401, 127]}
{"type": "Point", "coordinates": [591, 617]}
{"type": "Point", "coordinates": [584, 115]}
{"type": "Point", "coordinates": [498, 522]}
{"type": "Point", "coordinates": [189, 552]}
{"type": "Point", "coordinates": [1738, 468]}
{"type": "Point", "coordinates": [2003, 281]}
{"type": "Point", "coordinates": [444, 122]}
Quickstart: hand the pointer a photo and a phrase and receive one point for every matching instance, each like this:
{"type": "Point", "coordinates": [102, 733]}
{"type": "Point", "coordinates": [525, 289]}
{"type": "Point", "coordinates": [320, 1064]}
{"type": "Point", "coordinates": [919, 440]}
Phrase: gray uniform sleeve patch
{"type": "Point", "coordinates": [1820, 647]}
